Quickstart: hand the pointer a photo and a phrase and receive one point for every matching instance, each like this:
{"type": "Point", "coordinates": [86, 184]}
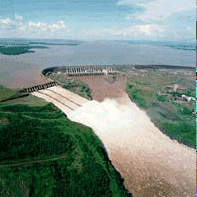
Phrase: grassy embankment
{"type": "Point", "coordinates": [74, 85]}
{"type": "Point", "coordinates": [10, 96]}
{"type": "Point", "coordinates": [6, 93]}
{"type": "Point", "coordinates": [37, 134]}
{"type": "Point", "coordinates": [174, 119]}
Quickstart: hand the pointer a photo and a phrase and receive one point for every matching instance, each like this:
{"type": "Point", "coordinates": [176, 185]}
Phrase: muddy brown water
{"type": "Point", "coordinates": [150, 162]}
{"type": "Point", "coordinates": [101, 88]}
{"type": "Point", "coordinates": [15, 73]}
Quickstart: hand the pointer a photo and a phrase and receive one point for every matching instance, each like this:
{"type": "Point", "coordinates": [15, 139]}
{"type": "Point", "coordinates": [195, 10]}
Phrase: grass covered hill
{"type": "Point", "coordinates": [45, 154]}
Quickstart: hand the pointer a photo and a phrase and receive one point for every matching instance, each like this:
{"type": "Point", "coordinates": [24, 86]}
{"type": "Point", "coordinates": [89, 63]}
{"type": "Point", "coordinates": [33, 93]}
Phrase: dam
{"type": "Point", "coordinates": [62, 98]}
{"type": "Point", "coordinates": [80, 70]}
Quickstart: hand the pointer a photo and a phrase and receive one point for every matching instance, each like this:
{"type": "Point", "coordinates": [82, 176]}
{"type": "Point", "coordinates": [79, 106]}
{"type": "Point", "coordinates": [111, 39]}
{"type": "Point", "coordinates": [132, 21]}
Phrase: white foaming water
{"type": "Point", "coordinates": [150, 163]}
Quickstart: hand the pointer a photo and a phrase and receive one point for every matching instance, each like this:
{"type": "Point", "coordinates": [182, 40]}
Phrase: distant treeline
{"type": "Point", "coordinates": [183, 47]}
{"type": "Point", "coordinates": [162, 67]}
{"type": "Point", "coordinates": [17, 50]}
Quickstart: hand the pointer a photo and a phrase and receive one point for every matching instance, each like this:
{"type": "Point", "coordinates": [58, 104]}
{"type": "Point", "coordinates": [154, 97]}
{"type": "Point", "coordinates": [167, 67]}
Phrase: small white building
{"type": "Point", "coordinates": [105, 72]}
{"type": "Point", "coordinates": [188, 98]}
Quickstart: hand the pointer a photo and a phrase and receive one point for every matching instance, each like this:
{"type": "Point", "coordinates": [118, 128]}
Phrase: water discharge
{"type": "Point", "coordinates": [150, 163]}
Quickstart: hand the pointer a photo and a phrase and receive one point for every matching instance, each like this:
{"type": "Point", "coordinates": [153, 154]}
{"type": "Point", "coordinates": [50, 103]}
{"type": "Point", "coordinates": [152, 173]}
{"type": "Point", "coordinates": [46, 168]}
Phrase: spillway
{"type": "Point", "coordinates": [151, 164]}
{"type": "Point", "coordinates": [72, 96]}
{"type": "Point", "coordinates": [64, 99]}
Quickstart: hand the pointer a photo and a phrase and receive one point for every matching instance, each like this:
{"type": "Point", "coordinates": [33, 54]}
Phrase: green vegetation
{"type": "Point", "coordinates": [17, 50]}
{"type": "Point", "coordinates": [72, 84]}
{"type": "Point", "coordinates": [52, 156]}
{"type": "Point", "coordinates": [112, 78]}
{"type": "Point", "coordinates": [29, 100]}
{"type": "Point", "coordinates": [6, 93]}
{"type": "Point", "coordinates": [9, 96]}
{"type": "Point", "coordinates": [177, 120]}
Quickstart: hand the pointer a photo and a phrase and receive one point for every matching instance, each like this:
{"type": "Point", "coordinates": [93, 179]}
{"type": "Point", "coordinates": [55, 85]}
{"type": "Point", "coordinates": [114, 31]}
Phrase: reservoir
{"type": "Point", "coordinates": [23, 70]}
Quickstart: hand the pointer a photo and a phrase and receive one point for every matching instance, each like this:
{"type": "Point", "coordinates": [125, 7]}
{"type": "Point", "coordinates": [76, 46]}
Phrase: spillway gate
{"type": "Point", "coordinates": [38, 87]}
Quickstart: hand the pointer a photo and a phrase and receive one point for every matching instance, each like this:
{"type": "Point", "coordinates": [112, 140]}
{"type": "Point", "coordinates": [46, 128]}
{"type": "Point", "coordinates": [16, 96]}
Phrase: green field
{"type": "Point", "coordinates": [52, 155]}
{"type": "Point", "coordinates": [177, 120]}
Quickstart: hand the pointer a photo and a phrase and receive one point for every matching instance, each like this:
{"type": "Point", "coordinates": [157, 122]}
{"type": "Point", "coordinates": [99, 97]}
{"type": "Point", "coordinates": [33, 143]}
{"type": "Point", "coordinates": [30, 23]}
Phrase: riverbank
{"type": "Point", "coordinates": [102, 89]}
{"type": "Point", "coordinates": [168, 97]}
{"type": "Point", "coordinates": [73, 84]}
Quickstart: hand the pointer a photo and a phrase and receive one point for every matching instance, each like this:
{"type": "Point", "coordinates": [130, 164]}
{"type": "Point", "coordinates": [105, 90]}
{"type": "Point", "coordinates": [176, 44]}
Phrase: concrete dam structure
{"type": "Point", "coordinates": [80, 70]}
{"type": "Point", "coordinates": [65, 100]}
{"type": "Point", "coordinates": [62, 98]}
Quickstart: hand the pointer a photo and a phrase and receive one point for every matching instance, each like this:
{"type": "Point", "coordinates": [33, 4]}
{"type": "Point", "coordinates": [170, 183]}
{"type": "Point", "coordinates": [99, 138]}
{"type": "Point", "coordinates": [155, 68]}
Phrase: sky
{"type": "Point", "coordinates": [99, 19]}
